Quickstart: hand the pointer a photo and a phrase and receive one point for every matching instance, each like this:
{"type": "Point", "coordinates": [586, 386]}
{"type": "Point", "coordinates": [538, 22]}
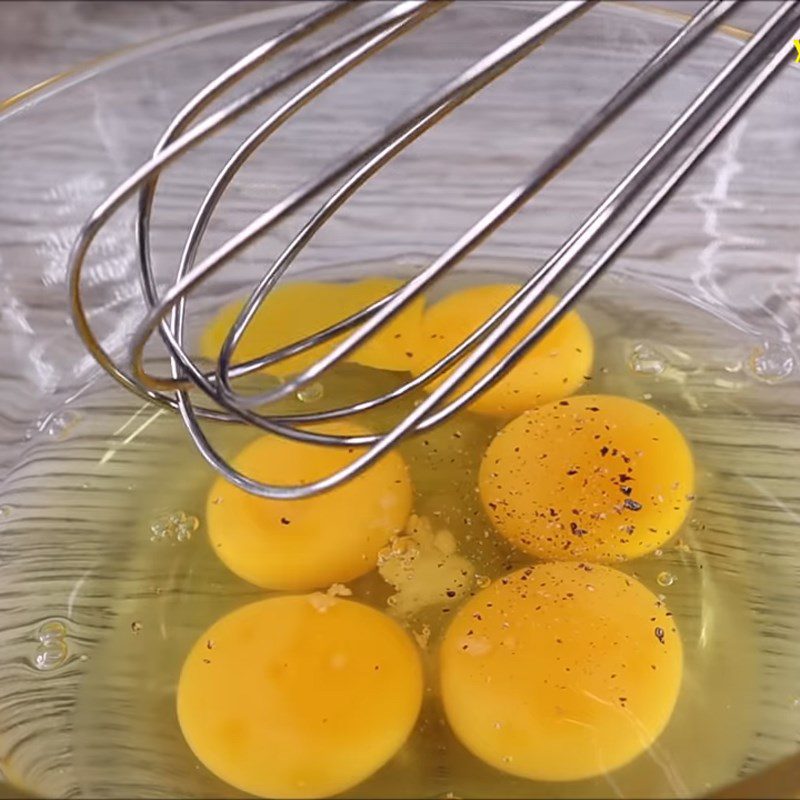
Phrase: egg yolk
{"type": "Point", "coordinates": [594, 477]}
{"type": "Point", "coordinates": [560, 671]}
{"type": "Point", "coordinates": [294, 311]}
{"type": "Point", "coordinates": [299, 696]}
{"type": "Point", "coordinates": [294, 545]}
{"type": "Point", "coordinates": [555, 367]}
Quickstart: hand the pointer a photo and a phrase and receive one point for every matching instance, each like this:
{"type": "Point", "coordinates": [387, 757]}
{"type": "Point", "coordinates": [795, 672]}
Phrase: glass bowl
{"type": "Point", "coordinates": [700, 317]}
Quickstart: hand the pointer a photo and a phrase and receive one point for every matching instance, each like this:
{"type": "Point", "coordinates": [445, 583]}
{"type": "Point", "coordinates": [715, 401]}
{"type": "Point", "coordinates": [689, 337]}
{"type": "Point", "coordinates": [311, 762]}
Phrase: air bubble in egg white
{"type": "Point", "coordinates": [60, 426]}
{"type": "Point", "coordinates": [51, 630]}
{"type": "Point", "coordinates": [646, 360]}
{"type": "Point", "coordinates": [665, 579]}
{"type": "Point", "coordinates": [312, 393]}
{"type": "Point", "coordinates": [50, 655]}
{"type": "Point", "coordinates": [771, 362]}
{"type": "Point", "coordinates": [177, 526]}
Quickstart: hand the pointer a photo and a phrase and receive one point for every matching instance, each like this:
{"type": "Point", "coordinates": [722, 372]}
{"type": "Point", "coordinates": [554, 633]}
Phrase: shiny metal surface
{"type": "Point", "coordinates": [771, 43]}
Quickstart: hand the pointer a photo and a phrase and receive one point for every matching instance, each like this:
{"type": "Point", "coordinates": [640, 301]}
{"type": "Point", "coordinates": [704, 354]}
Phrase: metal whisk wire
{"type": "Point", "coordinates": [766, 52]}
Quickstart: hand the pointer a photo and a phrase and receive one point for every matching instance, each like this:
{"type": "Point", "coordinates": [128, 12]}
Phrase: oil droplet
{"type": "Point", "coordinates": [771, 362]}
{"type": "Point", "coordinates": [136, 626]}
{"type": "Point", "coordinates": [6, 510]}
{"type": "Point", "coordinates": [51, 630]}
{"type": "Point", "coordinates": [177, 526]}
{"type": "Point", "coordinates": [61, 426]}
{"type": "Point", "coordinates": [50, 655]}
{"type": "Point", "coordinates": [646, 360]}
{"type": "Point", "coordinates": [658, 553]}
{"type": "Point", "coordinates": [665, 579]}
{"type": "Point", "coordinates": [312, 393]}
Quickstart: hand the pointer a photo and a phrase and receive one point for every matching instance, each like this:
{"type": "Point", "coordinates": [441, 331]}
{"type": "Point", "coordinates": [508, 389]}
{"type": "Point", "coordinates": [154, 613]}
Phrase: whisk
{"type": "Point", "coordinates": [716, 107]}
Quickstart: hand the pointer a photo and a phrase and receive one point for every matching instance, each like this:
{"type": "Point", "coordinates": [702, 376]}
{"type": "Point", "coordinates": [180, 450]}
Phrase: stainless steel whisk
{"type": "Point", "coordinates": [721, 102]}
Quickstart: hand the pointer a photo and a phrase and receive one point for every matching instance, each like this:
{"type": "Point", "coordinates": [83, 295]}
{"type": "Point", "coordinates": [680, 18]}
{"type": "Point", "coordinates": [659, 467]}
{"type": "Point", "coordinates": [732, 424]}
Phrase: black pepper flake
{"type": "Point", "coordinates": [659, 632]}
{"type": "Point", "coordinates": [450, 593]}
{"type": "Point", "coordinates": [285, 521]}
{"type": "Point", "coordinates": [576, 530]}
{"type": "Point", "coordinates": [626, 489]}
{"type": "Point", "coordinates": [632, 505]}
{"type": "Point", "coordinates": [603, 450]}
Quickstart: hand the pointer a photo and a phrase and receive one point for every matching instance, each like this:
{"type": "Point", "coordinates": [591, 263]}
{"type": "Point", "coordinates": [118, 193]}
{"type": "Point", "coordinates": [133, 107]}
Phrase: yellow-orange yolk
{"type": "Point", "coordinates": [592, 477]}
{"type": "Point", "coordinates": [561, 671]}
{"type": "Point", "coordinates": [555, 367]}
{"type": "Point", "coordinates": [299, 696]}
{"type": "Point", "coordinates": [293, 311]}
{"type": "Point", "coordinates": [295, 545]}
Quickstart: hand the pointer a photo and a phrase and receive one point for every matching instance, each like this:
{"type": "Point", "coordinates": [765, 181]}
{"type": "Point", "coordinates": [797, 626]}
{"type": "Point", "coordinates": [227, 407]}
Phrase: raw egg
{"type": "Point", "coordinates": [295, 545]}
{"type": "Point", "coordinates": [560, 671]}
{"type": "Point", "coordinates": [555, 367]}
{"type": "Point", "coordinates": [294, 311]}
{"type": "Point", "coordinates": [299, 696]}
{"type": "Point", "coordinates": [593, 477]}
